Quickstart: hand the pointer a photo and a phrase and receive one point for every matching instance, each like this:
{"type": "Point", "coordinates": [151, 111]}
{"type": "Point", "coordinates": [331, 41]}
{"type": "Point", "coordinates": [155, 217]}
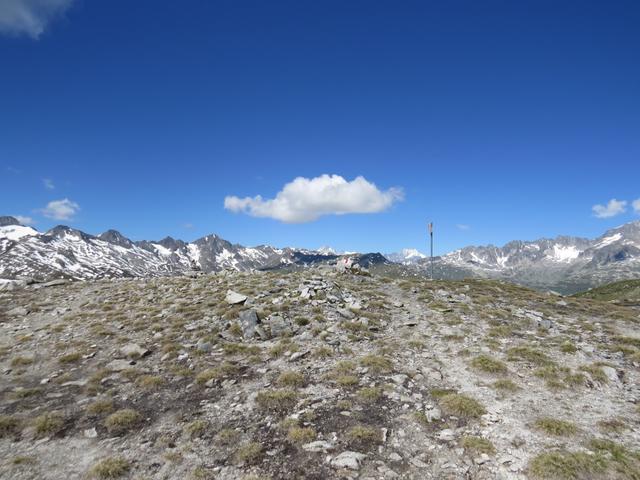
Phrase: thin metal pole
{"type": "Point", "coordinates": [431, 234]}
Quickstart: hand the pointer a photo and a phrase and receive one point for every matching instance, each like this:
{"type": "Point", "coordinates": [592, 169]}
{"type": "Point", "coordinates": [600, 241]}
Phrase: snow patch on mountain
{"type": "Point", "coordinates": [16, 232]}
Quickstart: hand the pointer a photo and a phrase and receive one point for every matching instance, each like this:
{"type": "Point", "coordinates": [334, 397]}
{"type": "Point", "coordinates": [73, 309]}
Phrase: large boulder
{"type": "Point", "coordinates": [250, 324]}
{"type": "Point", "coordinates": [278, 326]}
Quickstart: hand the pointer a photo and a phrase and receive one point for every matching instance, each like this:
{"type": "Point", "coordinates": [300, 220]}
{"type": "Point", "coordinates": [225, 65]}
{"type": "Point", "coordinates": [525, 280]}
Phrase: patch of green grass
{"type": "Point", "coordinates": [100, 407]}
{"type": "Point", "coordinates": [347, 381]}
{"type": "Point", "coordinates": [568, 347]}
{"type": "Point", "coordinates": [196, 428]}
{"type": "Point", "coordinates": [505, 385]}
{"type": "Point", "coordinates": [555, 427]}
{"type": "Point", "coordinates": [290, 379]}
{"type": "Point", "coordinates": [477, 445]}
{"type": "Point", "coordinates": [595, 372]}
{"type": "Point", "coordinates": [612, 425]}
{"type": "Point", "coordinates": [565, 465]}
{"type": "Point", "coordinates": [370, 394]}
{"type": "Point", "coordinates": [72, 357]}
{"type": "Point", "coordinates": [217, 373]}
{"type": "Point", "coordinates": [9, 425]}
{"type": "Point", "coordinates": [441, 392]}
{"type": "Point", "coordinates": [377, 363]}
{"type": "Point", "coordinates": [461, 406]}
{"type": "Point", "coordinates": [150, 382]}
{"type": "Point", "coordinates": [488, 364]}
{"type": "Point", "coordinates": [322, 352]}
{"type": "Point", "coordinates": [21, 361]}
{"type": "Point", "coordinates": [49, 424]}
{"type": "Point", "coordinates": [122, 420]}
{"type": "Point", "coordinates": [110, 468]}
{"type": "Point", "coordinates": [528, 354]}
{"type": "Point", "coordinates": [277, 400]}
{"type": "Point", "coordinates": [227, 436]}
{"type": "Point", "coordinates": [301, 435]}
{"type": "Point", "coordinates": [364, 436]}
{"type": "Point", "coordinates": [500, 331]}
{"type": "Point", "coordinates": [248, 453]}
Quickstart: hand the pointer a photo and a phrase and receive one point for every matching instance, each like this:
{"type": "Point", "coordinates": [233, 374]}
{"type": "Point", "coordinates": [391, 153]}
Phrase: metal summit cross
{"type": "Point", "coordinates": [431, 257]}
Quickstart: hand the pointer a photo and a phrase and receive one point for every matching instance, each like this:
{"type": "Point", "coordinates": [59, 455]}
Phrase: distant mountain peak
{"type": "Point", "coordinates": [8, 220]}
{"type": "Point", "coordinates": [116, 238]}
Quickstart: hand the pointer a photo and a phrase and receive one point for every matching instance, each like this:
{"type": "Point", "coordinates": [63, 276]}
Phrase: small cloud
{"type": "Point", "coordinates": [24, 220]}
{"type": "Point", "coordinates": [636, 205]}
{"type": "Point", "coordinates": [48, 184]}
{"type": "Point", "coordinates": [611, 209]}
{"type": "Point", "coordinates": [188, 225]}
{"type": "Point", "coordinates": [13, 170]}
{"type": "Point", "coordinates": [30, 17]}
{"type": "Point", "coordinates": [462, 226]}
{"type": "Point", "coordinates": [307, 199]}
{"type": "Point", "coordinates": [63, 209]}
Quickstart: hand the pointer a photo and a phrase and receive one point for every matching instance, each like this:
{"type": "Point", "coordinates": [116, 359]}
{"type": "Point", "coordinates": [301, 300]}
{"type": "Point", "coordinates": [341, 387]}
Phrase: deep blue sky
{"type": "Point", "coordinates": [512, 118]}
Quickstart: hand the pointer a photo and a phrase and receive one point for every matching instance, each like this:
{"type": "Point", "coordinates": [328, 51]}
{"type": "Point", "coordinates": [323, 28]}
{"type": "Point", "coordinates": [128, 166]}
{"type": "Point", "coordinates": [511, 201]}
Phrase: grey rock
{"type": "Point", "coordinates": [235, 298]}
{"type": "Point", "coordinates": [348, 314]}
{"type": "Point", "coordinates": [318, 446]}
{"type": "Point", "coordinates": [447, 435]}
{"type": "Point", "coordinates": [611, 374]}
{"type": "Point", "coordinates": [118, 365]}
{"type": "Point", "coordinates": [203, 346]}
{"type": "Point", "coordinates": [350, 460]}
{"type": "Point", "coordinates": [297, 355]}
{"type": "Point", "coordinates": [278, 326]}
{"type": "Point", "coordinates": [18, 312]}
{"type": "Point", "coordinates": [133, 350]}
{"type": "Point", "coordinates": [250, 324]}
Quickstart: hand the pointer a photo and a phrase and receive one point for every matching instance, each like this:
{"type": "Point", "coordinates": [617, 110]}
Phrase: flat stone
{"type": "Point", "coordinates": [348, 314]}
{"type": "Point", "coordinates": [447, 435]}
{"type": "Point", "coordinates": [350, 460]}
{"type": "Point", "coordinates": [318, 446]}
{"type": "Point", "coordinates": [235, 298]}
{"type": "Point", "coordinates": [118, 365]}
{"type": "Point", "coordinates": [133, 350]}
{"type": "Point", "coordinates": [298, 355]}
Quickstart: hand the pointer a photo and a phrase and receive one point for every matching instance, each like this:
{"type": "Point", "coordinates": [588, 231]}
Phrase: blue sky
{"type": "Point", "coordinates": [495, 120]}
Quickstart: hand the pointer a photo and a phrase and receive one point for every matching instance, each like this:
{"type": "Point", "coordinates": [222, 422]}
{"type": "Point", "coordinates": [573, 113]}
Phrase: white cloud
{"type": "Point", "coordinates": [29, 17]}
{"type": "Point", "coordinates": [63, 209]}
{"type": "Point", "coordinates": [636, 205]}
{"type": "Point", "coordinates": [611, 209]}
{"type": "Point", "coordinates": [462, 226]}
{"type": "Point", "coordinates": [24, 220]}
{"type": "Point", "coordinates": [187, 225]}
{"type": "Point", "coordinates": [48, 183]}
{"type": "Point", "coordinates": [307, 199]}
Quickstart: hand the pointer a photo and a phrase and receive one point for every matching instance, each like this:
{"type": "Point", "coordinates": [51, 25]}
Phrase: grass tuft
{"type": "Point", "coordinates": [110, 468]}
{"type": "Point", "coordinates": [461, 406]}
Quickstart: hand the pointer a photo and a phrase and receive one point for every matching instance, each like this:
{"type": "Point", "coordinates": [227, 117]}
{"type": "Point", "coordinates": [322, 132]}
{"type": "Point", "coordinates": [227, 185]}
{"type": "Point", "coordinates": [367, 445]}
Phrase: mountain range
{"type": "Point", "coordinates": [565, 264]}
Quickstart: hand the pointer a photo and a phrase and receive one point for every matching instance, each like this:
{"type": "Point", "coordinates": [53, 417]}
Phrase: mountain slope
{"type": "Point", "coordinates": [565, 264]}
{"type": "Point", "coordinates": [67, 252]}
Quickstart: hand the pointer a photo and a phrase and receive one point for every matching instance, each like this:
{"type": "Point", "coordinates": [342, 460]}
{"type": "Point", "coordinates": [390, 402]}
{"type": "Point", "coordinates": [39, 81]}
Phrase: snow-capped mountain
{"type": "Point", "coordinates": [565, 264]}
{"type": "Point", "coordinates": [65, 251]}
{"type": "Point", "coordinates": [407, 256]}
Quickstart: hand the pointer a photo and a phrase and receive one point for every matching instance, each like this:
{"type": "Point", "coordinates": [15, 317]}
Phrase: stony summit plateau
{"type": "Point", "coordinates": [316, 373]}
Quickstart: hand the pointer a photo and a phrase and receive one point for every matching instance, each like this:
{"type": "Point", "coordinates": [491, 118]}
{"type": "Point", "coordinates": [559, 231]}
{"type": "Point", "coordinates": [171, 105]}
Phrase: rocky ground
{"type": "Point", "coordinates": [315, 374]}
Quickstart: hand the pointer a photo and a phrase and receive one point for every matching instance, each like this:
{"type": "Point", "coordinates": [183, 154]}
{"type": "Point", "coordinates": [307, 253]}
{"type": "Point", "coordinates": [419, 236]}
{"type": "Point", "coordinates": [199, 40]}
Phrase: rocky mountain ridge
{"type": "Point", "coordinates": [566, 264]}
{"type": "Point", "coordinates": [67, 252]}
